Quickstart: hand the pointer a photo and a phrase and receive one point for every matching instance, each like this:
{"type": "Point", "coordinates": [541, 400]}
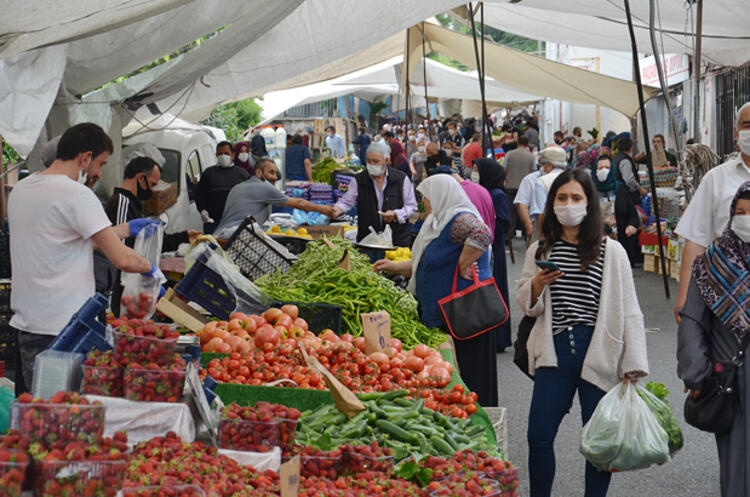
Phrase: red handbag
{"type": "Point", "coordinates": [475, 310]}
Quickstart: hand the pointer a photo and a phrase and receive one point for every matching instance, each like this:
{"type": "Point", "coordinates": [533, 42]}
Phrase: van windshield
{"type": "Point", "coordinates": [170, 172]}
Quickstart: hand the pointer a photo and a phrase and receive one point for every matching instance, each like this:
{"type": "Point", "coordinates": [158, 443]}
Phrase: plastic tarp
{"type": "Point", "coordinates": [600, 24]}
{"type": "Point", "coordinates": [534, 74]}
{"type": "Point", "coordinates": [27, 94]}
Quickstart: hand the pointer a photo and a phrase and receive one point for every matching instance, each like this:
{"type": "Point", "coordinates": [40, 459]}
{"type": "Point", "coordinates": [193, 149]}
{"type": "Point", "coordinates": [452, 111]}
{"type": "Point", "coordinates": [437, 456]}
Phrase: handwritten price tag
{"type": "Point", "coordinates": [377, 332]}
{"type": "Point", "coordinates": [289, 477]}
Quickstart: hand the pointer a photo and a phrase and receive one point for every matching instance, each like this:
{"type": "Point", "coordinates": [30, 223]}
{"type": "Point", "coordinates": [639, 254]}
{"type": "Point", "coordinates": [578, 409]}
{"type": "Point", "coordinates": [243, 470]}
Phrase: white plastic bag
{"type": "Point", "coordinates": [140, 293]}
{"type": "Point", "coordinates": [623, 433]}
{"type": "Point", "coordinates": [375, 239]}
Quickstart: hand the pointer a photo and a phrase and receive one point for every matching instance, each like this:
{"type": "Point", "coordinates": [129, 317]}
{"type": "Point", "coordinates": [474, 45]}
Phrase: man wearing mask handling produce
{"type": "Point", "coordinates": [215, 184]}
{"type": "Point", "coordinates": [383, 196]}
{"type": "Point", "coordinates": [57, 221]}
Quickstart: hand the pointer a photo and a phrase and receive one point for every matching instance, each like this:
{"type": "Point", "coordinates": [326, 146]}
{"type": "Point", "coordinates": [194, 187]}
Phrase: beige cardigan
{"type": "Point", "coordinates": [618, 345]}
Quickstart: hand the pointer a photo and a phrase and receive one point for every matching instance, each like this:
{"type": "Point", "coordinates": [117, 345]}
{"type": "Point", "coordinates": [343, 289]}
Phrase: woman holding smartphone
{"type": "Point", "coordinates": [589, 331]}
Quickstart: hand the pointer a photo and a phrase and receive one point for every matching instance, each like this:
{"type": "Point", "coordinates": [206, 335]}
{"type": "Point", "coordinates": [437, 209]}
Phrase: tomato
{"type": "Point", "coordinates": [290, 310]}
{"type": "Point", "coordinates": [272, 314]}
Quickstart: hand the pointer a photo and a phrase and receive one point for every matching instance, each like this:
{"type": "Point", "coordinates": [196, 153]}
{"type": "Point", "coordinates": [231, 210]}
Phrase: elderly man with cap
{"type": "Point", "coordinates": [383, 196]}
{"type": "Point", "coordinates": [532, 192]}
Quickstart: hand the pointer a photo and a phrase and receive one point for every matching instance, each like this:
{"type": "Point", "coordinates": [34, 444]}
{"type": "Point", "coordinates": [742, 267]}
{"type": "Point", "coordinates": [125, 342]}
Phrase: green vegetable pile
{"type": "Point", "coordinates": [323, 170]}
{"type": "Point", "coordinates": [404, 425]}
{"type": "Point", "coordinates": [316, 277]}
{"type": "Point", "coordinates": [663, 413]}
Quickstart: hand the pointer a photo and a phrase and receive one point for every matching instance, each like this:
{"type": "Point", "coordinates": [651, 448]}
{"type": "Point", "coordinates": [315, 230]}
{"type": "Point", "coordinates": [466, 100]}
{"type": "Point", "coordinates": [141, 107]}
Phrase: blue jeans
{"type": "Point", "coordinates": [554, 389]}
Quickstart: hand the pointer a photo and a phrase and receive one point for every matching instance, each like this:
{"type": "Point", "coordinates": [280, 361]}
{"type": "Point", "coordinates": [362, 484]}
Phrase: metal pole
{"type": "Point", "coordinates": [697, 72]}
{"type": "Point", "coordinates": [663, 80]}
{"type": "Point", "coordinates": [480, 74]}
{"type": "Point", "coordinates": [407, 89]}
{"type": "Point", "coordinates": [424, 75]}
{"type": "Point", "coordinates": [639, 85]}
{"type": "Point", "coordinates": [3, 200]}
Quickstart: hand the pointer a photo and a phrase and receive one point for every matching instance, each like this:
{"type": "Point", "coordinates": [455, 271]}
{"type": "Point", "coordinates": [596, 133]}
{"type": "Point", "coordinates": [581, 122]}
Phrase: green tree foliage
{"type": "Point", "coordinates": [10, 156]}
{"type": "Point", "coordinates": [234, 118]}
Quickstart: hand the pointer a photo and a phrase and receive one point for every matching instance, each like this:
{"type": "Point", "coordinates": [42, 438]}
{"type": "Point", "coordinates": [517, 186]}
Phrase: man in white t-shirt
{"type": "Point", "coordinates": [707, 215]}
{"type": "Point", "coordinates": [56, 220]}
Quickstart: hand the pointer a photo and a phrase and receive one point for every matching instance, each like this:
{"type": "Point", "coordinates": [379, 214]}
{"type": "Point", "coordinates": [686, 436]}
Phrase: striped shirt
{"type": "Point", "coordinates": [575, 296]}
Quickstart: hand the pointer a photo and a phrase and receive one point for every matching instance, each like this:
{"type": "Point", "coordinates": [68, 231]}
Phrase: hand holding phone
{"type": "Point", "coordinates": [548, 265]}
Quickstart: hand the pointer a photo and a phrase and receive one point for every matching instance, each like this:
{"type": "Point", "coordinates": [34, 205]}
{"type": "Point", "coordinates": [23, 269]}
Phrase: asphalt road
{"type": "Point", "coordinates": [692, 472]}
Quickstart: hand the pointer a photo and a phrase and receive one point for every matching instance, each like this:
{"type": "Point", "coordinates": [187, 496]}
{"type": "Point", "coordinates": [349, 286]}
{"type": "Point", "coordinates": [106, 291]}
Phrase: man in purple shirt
{"type": "Point", "coordinates": [383, 196]}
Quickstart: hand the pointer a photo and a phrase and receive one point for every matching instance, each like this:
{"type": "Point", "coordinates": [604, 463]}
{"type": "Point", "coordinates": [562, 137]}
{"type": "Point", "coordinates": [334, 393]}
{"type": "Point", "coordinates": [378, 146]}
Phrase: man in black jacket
{"type": "Point", "coordinates": [215, 184]}
{"type": "Point", "coordinates": [141, 176]}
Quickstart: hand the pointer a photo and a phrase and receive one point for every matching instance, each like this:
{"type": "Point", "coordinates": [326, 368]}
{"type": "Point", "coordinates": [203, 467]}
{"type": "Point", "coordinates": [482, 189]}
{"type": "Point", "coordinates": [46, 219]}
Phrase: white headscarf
{"type": "Point", "coordinates": [447, 198]}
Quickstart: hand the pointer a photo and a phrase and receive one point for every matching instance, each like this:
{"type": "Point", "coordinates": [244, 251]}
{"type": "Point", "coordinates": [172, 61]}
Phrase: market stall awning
{"type": "Point", "coordinates": [598, 24]}
{"type": "Point", "coordinates": [534, 74]}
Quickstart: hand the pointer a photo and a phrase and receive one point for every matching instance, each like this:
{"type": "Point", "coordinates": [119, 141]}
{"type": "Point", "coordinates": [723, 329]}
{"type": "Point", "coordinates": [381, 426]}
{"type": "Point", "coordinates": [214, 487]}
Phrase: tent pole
{"type": "Point", "coordinates": [480, 71]}
{"type": "Point", "coordinates": [697, 72]}
{"type": "Point", "coordinates": [407, 89]}
{"type": "Point", "coordinates": [424, 75]}
{"type": "Point", "coordinates": [662, 79]}
{"type": "Point", "coordinates": [655, 203]}
{"type": "Point", "coordinates": [3, 200]}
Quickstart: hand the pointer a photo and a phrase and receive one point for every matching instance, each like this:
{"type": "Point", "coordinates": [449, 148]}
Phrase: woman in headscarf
{"type": "Point", "coordinates": [604, 176]}
{"type": "Point", "coordinates": [715, 320]}
{"type": "Point", "coordinates": [453, 234]}
{"type": "Point", "coordinates": [492, 178]}
{"type": "Point", "coordinates": [242, 157]}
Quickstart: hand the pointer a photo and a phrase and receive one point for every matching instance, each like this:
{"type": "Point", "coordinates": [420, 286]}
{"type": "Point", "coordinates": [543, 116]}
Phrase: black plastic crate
{"type": "Point", "coordinates": [293, 244]}
{"type": "Point", "coordinates": [252, 253]}
{"type": "Point", "coordinates": [318, 316]}
{"type": "Point", "coordinates": [8, 346]}
{"type": "Point", "coordinates": [207, 288]}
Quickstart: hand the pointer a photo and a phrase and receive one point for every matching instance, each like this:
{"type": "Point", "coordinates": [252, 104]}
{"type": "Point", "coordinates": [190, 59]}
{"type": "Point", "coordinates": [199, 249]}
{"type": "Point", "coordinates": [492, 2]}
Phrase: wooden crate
{"type": "Point", "coordinates": [652, 264]}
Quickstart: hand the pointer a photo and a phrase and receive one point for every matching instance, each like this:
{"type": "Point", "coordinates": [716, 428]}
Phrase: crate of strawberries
{"type": "Point", "coordinates": [64, 417]}
{"type": "Point", "coordinates": [102, 375]}
{"type": "Point", "coordinates": [154, 382]}
{"type": "Point", "coordinates": [13, 465]}
{"type": "Point", "coordinates": [258, 428]}
{"type": "Point", "coordinates": [143, 341]}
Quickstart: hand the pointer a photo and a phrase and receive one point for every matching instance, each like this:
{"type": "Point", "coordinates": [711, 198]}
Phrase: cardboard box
{"type": "Point", "coordinates": [652, 264]}
{"type": "Point", "coordinates": [164, 197]}
{"type": "Point", "coordinates": [329, 231]}
{"type": "Point", "coordinates": [180, 312]}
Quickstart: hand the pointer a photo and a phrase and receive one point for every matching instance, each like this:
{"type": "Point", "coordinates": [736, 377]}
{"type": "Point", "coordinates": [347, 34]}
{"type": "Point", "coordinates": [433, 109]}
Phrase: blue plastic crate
{"type": "Point", "coordinates": [80, 324]}
{"type": "Point", "coordinates": [205, 287]}
{"type": "Point", "coordinates": [90, 341]}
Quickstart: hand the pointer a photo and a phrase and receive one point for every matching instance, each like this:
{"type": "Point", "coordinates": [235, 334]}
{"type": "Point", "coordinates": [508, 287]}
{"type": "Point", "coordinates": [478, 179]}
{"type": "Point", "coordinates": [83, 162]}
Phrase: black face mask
{"type": "Point", "coordinates": [143, 193]}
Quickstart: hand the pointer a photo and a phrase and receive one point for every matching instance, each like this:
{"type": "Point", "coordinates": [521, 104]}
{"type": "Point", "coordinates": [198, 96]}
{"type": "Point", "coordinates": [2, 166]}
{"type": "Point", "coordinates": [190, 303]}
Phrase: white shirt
{"type": "Point", "coordinates": [529, 196]}
{"type": "Point", "coordinates": [708, 212]}
{"type": "Point", "coordinates": [52, 219]}
{"type": "Point", "coordinates": [337, 146]}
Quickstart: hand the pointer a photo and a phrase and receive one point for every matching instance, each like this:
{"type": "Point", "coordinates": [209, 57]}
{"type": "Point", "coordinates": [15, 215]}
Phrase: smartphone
{"type": "Point", "coordinates": [548, 265]}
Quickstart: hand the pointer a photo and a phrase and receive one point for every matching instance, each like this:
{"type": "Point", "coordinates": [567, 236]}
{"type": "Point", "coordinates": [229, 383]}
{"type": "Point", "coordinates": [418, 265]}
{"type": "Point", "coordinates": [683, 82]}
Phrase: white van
{"type": "Point", "coordinates": [188, 150]}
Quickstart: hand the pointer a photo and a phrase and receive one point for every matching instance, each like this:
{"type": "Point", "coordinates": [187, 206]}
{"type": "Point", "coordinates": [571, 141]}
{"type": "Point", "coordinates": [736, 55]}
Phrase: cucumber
{"type": "Point", "coordinates": [396, 432]}
{"type": "Point", "coordinates": [441, 446]}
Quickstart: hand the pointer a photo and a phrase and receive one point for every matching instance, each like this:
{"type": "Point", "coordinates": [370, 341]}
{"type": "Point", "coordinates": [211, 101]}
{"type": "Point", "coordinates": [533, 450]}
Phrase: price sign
{"type": "Point", "coordinates": [377, 332]}
{"type": "Point", "coordinates": [289, 477]}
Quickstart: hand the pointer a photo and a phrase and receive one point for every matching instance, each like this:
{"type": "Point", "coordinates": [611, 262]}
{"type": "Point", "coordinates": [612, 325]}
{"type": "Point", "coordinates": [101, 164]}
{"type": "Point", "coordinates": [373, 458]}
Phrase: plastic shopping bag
{"type": "Point", "coordinates": [141, 292]}
{"type": "Point", "coordinates": [623, 433]}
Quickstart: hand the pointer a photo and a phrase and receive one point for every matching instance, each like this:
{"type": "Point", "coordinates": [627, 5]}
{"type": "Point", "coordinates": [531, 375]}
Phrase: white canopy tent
{"type": "Point", "coordinates": [383, 79]}
{"type": "Point", "coordinates": [603, 24]}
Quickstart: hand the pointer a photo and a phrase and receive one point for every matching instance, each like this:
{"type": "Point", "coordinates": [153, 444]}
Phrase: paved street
{"type": "Point", "coordinates": [694, 471]}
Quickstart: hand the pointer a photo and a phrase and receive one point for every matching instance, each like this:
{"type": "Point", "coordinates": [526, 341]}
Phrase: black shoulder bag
{"type": "Point", "coordinates": [714, 409]}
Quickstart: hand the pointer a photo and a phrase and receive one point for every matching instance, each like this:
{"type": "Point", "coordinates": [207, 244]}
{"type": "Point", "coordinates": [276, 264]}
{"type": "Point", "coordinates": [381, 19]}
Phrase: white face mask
{"type": "Point", "coordinates": [330, 135]}
{"type": "Point", "coordinates": [420, 136]}
{"type": "Point", "coordinates": [452, 132]}
{"type": "Point", "coordinates": [602, 174]}
{"type": "Point", "coordinates": [475, 176]}
{"type": "Point", "coordinates": [224, 160]}
{"type": "Point", "coordinates": [744, 141]}
{"type": "Point", "coordinates": [243, 156]}
{"type": "Point", "coordinates": [570, 215]}
{"type": "Point", "coordinates": [375, 169]}
{"type": "Point", "coordinates": [412, 138]}
{"type": "Point", "coordinates": [83, 175]}
{"type": "Point", "coordinates": [741, 227]}
{"type": "Point", "coordinates": [421, 149]}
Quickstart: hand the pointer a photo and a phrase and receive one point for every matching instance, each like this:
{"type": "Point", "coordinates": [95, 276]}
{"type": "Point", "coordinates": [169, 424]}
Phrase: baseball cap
{"type": "Point", "coordinates": [554, 154]}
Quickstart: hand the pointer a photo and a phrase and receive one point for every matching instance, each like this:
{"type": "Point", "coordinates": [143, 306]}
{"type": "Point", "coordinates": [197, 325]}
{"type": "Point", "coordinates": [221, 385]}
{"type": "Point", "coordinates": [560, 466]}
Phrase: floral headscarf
{"type": "Point", "coordinates": [722, 274]}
